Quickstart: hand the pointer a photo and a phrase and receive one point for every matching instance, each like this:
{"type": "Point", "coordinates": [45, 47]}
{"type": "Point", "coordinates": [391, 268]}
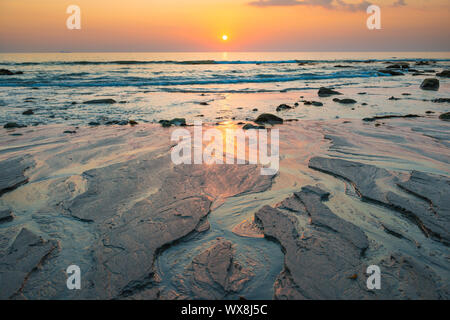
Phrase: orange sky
{"type": "Point", "coordinates": [197, 25]}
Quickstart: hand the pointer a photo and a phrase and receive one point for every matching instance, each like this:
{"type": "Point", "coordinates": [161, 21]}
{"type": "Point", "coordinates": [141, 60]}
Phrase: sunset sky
{"type": "Point", "coordinates": [198, 25]}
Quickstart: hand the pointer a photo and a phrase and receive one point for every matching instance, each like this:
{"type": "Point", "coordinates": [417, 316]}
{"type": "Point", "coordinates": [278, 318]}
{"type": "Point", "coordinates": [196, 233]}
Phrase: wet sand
{"type": "Point", "coordinates": [109, 200]}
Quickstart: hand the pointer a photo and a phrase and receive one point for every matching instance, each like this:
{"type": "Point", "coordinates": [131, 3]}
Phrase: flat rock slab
{"type": "Point", "coordinates": [141, 206]}
{"type": "Point", "coordinates": [27, 252]}
{"type": "Point", "coordinates": [214, 273]}
{"type": "Point", "coordinates": [429, 204]}
{"type": "Point", "coordinates": [12, 173]}
{"type": "Point", "coordinates": [325, 259]}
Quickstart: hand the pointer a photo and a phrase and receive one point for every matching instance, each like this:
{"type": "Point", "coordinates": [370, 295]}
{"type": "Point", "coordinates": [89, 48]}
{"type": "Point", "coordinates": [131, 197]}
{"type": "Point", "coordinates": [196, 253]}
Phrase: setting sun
{"type": "Point", "coordinates": [224, 37]}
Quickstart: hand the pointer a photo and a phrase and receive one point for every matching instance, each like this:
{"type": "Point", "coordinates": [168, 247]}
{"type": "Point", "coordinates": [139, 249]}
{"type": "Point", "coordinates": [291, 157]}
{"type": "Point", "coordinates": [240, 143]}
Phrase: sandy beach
{"type": "Point", "coordinates": [88, 179]}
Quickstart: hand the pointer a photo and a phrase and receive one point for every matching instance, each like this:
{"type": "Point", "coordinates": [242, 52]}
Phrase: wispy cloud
{"type": "Point", "coordinates": [399, 3]}
{"type": "Point", "coordinates": [330, 4]}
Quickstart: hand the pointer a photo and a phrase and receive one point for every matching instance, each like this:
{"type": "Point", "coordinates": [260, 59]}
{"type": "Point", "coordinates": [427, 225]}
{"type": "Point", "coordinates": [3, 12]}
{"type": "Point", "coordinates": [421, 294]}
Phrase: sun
{"type": "Point", "coordinates": [224, 37]}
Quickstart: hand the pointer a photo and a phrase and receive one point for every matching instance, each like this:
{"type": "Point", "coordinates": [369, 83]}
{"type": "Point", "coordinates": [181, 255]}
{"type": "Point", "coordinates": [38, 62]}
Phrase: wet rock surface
{"type": "Point", "coordinates": [325, 258]}
{"type": "Point", "coordinates": [12, 173]}
{"type": "Point", "coordinates": [428, 207]}
{"type": "Point", "coordinates": [214, 274]}
{"type": "Point", "coordinates": [132, 233]}
{"type": "Point", "coordinates": [27, 252]}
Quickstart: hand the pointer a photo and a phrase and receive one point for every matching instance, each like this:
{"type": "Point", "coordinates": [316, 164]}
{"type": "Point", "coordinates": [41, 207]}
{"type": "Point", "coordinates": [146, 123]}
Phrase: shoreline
{"type": "Point", "coordinates": [98, 187]}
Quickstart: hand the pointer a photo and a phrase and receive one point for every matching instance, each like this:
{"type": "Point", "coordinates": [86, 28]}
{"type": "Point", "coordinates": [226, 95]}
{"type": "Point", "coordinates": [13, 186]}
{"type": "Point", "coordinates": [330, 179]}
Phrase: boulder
{"type": "Point", "coordinates": [444, 73]}
{"type": "Point", "coordinates": [344, 101]}
{"type": "Point", "coordinates": [100, 101]}
{"type": "Point", "coordinates": [430, 84]}
{"type": "Point", "coordinates": [326, 92]}
{"type": "Point", "coordinates": [283, 106]}
{"type": "Point", "coordinates": [445, 116]}
{"type": "Point", "coordinates": [268, 118]}
{"type": "Point", "coordinates": [11, 125]}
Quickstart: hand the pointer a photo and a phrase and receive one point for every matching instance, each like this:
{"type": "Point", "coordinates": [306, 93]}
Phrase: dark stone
{"type": "Point", "coordinates": [391, 117]}
{"type": "Point", "coordinates": [28, 112]}
{"type": "Point", "coordinates": [444, 73]}
{"type": "Point", "coordinates": [344, 101]}
{"type": "Point", "coordinates": [430, 84]}
{"type": "Point", "coordinates": [100, 101]}
{"type": "Point", "coordinates": [401, 65]}
{"type": "Point", "coordinates": [6, 72]}
{"type": "Point", "coordinates": [249, 126]}
{"type": "Point", "coordinates": [11, 125]}
{"type": "Point", "coordinates": [441, 100]}
{"type": "Point", "coordinates": [132, 122]}
{"type": "Point", "coordinates": [94, 123]}
{"type": "Point", "coordinates": [268, 118]}
{"type": "Point", "coordinates": [326, 92]}
{"type": "Point", "coordinates": [6, 215]}
{"type": "Point", "coordinates": [283, 106]}
{"type": "Point", "coordinates": [445, 116]}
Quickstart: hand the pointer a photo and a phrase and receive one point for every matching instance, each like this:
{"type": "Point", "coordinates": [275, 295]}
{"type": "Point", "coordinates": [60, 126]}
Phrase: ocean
{"type": "Point", "coordinates": [218, 86]}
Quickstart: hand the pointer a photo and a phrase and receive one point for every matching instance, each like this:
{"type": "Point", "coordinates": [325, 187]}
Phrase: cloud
{"type": "Point", "coordinates": [330, 4]}
{"type": "Point", "coordinates": [399, 3]}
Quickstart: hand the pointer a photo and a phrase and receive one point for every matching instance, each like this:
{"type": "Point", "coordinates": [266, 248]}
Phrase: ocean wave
{"type": "Point", "coordinates": [177, 81]}
{"type": "Point", "coordinates": [211, 62]}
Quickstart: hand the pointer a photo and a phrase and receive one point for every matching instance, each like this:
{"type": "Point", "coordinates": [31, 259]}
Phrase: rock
{"type": "Point", "coordinates": [214, 273]}
{"type": "Point", "coordinates": [203, 103]}
{"type": "Point", "coordinates": [422, 63]}
{"type": "Point", "coordinates": [390, 72]}
{"type": "Point", "coordinates": [27, 253]}
{"type": "Point", "coordinates": [255, 109]}
{"type": "Point", "coordinates": [100, 101]}
{"type": "Point", "coordinates": [175, 122]}
{"type": "Point", "coordinates": [181, 198]}
{"type": "Point", "coordinates": [6, 215]}
{"type": "Point", "coordinates": [318, 258]}
{"type": "Point", "coordinates": [324, 259]}
{"type": "Point", "coordinates": [445, 116]}
{"type": "Point", "coordinates": [429, 209]}
{"type": "Point", "coordinates": [430, 84]}
{"type": "Point", "coordinates": [317, 103]}
{"type": "Point", "coordinates": [12, 172]}
{"type": "Point", "coordinates": [391, 117]}
{"type": "Point", "coordinates": [401, 65]}
{"type": "Point", "coordinates": [268, 118]}
{"type": "Point", "coordinates": [441, 100]}
{"type": "Point", "coordinates": [6, 72]}
{"type": "Point", "coordinates": [11, 125]}
{"type": "Point", "coordinates": [70, 131]}
{"type": "Point", "coordinates": [326, 92]}
{"type": "Point", "coordinates": [394, 98]}
{"type": "Point", "coordinates": [132, 122]}
{"type": "Point", "coordinates": [344, 101]}
{"type": "Point", "coordinates": [94, 123]}
{"type": "Point", "coordinates": [444, 73]}
{"type": "Point", "coordinates": [28, 112]}
{"type": "Point", "coordinates": [249, 126]}
{"type": "Point", "coordinates": [282, 107]}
